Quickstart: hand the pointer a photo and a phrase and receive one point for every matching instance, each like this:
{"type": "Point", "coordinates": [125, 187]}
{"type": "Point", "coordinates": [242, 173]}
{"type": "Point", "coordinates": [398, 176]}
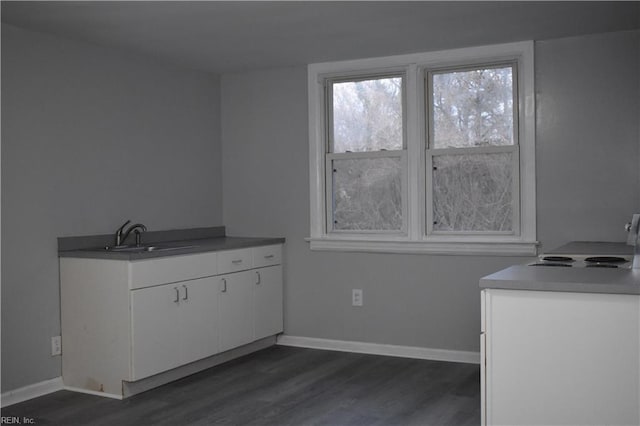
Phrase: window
{"type": "Point", "coordinates": [366, 158]}
{"type": "Point", "coordinates": [421, 153]}
{"type": "Point", "coordinates": [472, 149]}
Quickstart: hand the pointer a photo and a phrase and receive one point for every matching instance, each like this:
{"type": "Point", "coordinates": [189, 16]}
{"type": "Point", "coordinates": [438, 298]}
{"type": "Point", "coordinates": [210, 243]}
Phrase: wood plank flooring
{"type": "Point", "coordinates": [285, 386]}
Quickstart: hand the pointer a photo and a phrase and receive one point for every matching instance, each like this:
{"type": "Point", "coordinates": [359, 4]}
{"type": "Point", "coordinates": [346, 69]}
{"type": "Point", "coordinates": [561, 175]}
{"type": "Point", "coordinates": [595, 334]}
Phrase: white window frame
{"type": "Point", "coordinates": [417, 237]}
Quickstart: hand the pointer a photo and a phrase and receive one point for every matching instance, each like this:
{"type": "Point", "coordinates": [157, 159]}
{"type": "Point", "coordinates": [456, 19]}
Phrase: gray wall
{"type": "Point", "coordinates": [91, 137]}
{"type": "Point", "coordinates": [587, 157]}
{"type": "Point", "coordinates": [588, 131]}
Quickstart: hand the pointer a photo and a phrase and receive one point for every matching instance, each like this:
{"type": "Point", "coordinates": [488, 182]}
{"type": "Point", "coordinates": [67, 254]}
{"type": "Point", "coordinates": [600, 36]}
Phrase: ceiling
{"type": "Point", "coordinates": [232, 36]}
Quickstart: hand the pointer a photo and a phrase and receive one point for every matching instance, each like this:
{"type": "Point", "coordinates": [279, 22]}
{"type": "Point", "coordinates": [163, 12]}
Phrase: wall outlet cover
{"type": "Point", "coordinates": [56, 345]}
{"type": "Point", "coordinates": [356, 297]}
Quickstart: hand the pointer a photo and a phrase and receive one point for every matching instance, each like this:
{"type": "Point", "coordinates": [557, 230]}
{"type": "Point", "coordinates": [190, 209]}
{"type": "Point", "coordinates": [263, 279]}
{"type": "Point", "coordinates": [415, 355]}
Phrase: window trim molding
{"type": "Point", "coordinates": [404, 246]}
{"type": "Point", "coordinates": [416, 240]}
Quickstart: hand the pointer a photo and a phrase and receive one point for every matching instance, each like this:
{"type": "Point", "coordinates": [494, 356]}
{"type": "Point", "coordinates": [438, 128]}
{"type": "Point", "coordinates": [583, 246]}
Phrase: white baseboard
{"type": "Point", "coordinates": [380, 349]}
{"type": "Point", "coordinates": [31, 391]}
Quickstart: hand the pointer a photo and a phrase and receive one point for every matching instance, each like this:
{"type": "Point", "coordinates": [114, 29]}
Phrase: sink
{"type": "Point", "coordinates": [167, 248]}
{"type": "Point", "coordinates": [148, 248]}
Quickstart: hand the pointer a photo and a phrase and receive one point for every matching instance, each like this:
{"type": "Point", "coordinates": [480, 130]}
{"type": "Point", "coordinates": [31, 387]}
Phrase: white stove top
{"type": "Point", "coordinates": [587, 254]}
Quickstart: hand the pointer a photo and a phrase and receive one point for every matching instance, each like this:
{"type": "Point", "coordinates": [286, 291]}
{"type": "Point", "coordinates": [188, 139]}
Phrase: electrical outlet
{"type": "Point", "coordinates": [356, 297]}
{"type": "Point", "coordinates": [56, 345]}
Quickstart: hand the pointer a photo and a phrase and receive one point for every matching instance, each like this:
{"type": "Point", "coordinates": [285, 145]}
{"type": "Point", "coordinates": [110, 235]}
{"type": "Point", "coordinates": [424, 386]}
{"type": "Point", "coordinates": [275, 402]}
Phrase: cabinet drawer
{"type": "Point", "coordinates": [162, 270]}
{"type": "Point", "coordinates": [234, 260]}
{"type": "Point", "coordinates": [267, 256]}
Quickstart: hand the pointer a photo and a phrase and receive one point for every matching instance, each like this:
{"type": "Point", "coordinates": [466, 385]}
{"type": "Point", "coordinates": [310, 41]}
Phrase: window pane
{"type": "Point", "coordinates": [367, 115]}
{"type": "Point", "coordinates": [367, 194]}
{"type": "Point", "coordinates": [473, 108]}
{"type": "Point", "coordinates": [473, 192]}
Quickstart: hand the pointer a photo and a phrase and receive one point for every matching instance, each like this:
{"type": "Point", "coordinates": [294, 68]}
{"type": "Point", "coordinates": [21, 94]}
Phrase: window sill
{"type": "Point", "coordinates": [452, 247]}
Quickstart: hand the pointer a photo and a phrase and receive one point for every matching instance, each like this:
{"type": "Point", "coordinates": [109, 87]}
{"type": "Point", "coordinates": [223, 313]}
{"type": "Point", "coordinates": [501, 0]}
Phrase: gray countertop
{"type": "Point", "coordinates": [581, 280]}
{"type": "Point", "coordinates": [190, 246]}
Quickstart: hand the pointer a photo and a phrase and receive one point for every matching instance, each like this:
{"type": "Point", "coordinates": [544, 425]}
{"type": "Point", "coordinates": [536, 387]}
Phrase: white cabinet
{"type": "Point", "coordinates": [235, 306]}
{"type": "Point", "coordinates": [560, 358]}
{"type": "Point", "coordinates": [235, 260]}
{"type": "Point", "coordinates": [172, 325]}
{"type": "Point", "coordinates": [150, 272]}
{"type": "Point", "coordinates": [250, 306]}
{"type": "Point", "coordinates": [199, 320]}
{"type": "Point", "coordinates": [267, 256]}
{"type": "Point", "coordinates": [128, 320]}
{"type": "Point", "coordinates": [267, 301]}
{"type": "Point", "coordinates": [267, 294]}
{"type": "Point", "coordinates": [155, 329]}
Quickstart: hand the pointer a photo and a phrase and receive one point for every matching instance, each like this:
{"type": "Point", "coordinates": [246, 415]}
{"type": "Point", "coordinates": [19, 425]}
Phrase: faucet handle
{"type": "Point", "coordinates": [123, 225]}
{"type": "Point", "coordinates": [633, 229]}
{"type": "Point", "coordinates": [119, 232]}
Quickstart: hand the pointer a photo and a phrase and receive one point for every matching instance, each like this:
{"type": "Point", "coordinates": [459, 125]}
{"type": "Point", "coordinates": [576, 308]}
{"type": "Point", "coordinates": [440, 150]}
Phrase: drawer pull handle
{"type": "Point", "coordinates": [177, 295]}
{"type": "Point", "coordinates": [269, 256]}
{"type": "Point", "coordinates": [186, 292]}
{"type": "Point", "coordinates": [259, 278]}
{"type": "Point", "coordinates": [237, 261]}
{"type": "Point", "coordinates": [224, 285]}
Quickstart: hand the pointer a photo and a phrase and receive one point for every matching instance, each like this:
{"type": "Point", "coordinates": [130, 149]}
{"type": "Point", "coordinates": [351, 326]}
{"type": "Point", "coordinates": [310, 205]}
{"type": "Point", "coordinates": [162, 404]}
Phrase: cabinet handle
{"type": "Point", "coordinates": [186, 292]}
{"type": "Point", "coordinates": [224, 285]}
{"type": "Point", "coordinates": [177, 295]}
{"type": "Point", "coordinates": [259, 278]}
{"type": "Point", "coordinates": [237, 261]}
{"type": "Point", "coordinates": [269, 256]}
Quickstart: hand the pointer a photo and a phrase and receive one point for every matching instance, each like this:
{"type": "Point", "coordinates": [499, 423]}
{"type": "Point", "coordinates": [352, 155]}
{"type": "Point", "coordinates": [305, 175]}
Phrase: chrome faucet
{"type": "Point", "coordinates": [636, 252]}
{"type": "Point", "coordinates": [121, 234]}
{"type": "Point", "coordinates": [633, 228]}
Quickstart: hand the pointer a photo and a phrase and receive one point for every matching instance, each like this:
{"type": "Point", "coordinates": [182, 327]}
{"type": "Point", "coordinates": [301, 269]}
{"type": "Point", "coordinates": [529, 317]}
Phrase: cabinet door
{"type": "Point", "coordinates": [155, 330]}
{"type": "Point", "coordinates": [268, 301]}
{"type": "Point", "coordinates": [198, 319]}
{"type": "Point", "coordinates": [562, 358]}
{"type": "Point", "coordinates": [235, 308]}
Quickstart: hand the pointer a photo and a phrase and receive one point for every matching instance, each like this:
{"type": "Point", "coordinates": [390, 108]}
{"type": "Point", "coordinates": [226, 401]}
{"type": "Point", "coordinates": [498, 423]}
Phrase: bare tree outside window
{"type": "Point", "coordinates": [366, 142]}
{"type": "Point", "coordinates": [472, 111]}
{"type": "Point", "coordinates": [367, 194]}
{"type": "Point", "coordinates": [473, 192]}
{"type": "Point", "coordinates": [473, 108]}
{"type": "Point", "coordinates": [367, 115]}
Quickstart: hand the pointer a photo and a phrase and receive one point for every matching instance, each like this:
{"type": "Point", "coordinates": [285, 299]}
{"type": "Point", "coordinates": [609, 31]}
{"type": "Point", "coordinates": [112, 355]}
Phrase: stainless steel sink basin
{"type": "Point", "coordinates": [146, 248]}
{"type": "Point", "coordinates": [167, 248]}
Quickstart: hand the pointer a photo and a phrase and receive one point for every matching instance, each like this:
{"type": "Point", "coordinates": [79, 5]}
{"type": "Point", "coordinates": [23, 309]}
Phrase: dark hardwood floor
{"type": "Point", "coordinates": [285, 386]}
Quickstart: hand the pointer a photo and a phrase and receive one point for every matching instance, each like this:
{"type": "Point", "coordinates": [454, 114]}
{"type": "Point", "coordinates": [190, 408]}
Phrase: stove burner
{"type": "Point", "coordinates": [558, 259]}
{"type": "Point", "coordinates": [601, 265]}
{"type": "Point", "coordinates": [605, 259]}
{"type": "Point", "coordinates": [551, 264]}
